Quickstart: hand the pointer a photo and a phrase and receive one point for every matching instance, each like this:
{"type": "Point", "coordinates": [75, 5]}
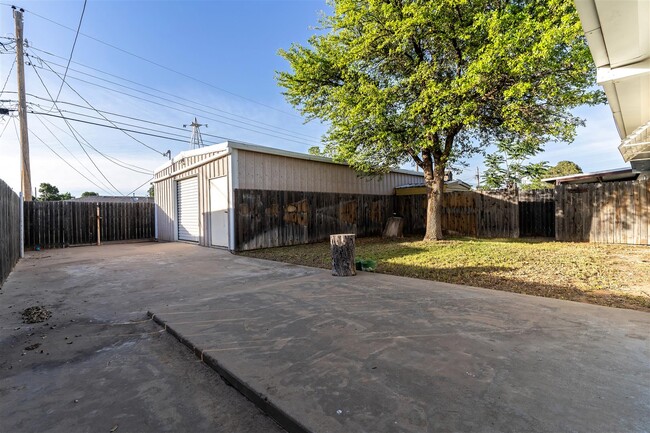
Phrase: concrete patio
{"type": "Point", "coordinates": [371, 353]}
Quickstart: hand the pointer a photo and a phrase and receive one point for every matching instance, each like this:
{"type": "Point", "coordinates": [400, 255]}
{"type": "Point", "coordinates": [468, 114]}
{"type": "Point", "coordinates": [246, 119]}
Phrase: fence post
{"type": "Point", "coordinates": [22, 224]}
{"type": "Point", "coordinates": [99, 229]}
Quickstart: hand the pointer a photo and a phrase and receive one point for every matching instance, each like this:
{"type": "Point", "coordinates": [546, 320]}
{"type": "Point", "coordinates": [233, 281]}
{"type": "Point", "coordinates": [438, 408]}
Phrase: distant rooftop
{"type": "Point", "coordinates": [113, 199]}
{"type": "Point", "coordinates": [617, 174]}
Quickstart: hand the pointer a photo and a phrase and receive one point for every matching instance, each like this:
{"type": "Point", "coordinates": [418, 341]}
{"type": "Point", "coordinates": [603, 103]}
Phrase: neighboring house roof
{"type": "Point", "coordinates": [618, 34]}
{"type": "Point", "coordinates": [420, 188]}
{"type": "Point", "coordinates": [619, 174]}
{"type": "Point", "coordinates": [226, 146]}
{"type": "Point", "coordinates": [113, 199]}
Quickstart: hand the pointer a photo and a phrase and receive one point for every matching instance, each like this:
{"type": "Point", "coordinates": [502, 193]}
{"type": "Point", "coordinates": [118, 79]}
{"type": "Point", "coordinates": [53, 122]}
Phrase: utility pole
{"type": "Point", "coordinates": [478, 179]}
{"type": "Point", "coordinates": [196, 140]}
{"type": "Point", "coordinates": [25, 170]}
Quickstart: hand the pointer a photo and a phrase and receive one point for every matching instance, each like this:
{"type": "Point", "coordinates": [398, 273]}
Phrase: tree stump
{"type": "Point", "coordinates": [343, 255]}
{"type": "Point", "coordinates": [394, 228]}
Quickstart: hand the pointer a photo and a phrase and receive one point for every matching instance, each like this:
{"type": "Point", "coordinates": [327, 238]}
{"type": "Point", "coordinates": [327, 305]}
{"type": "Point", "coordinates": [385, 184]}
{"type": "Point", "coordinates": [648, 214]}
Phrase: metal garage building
{"type": "Point", "coordinates": [243, 196]}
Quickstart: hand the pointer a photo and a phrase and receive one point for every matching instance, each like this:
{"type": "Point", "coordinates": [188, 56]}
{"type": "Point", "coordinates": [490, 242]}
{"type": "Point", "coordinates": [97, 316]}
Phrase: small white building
{"type": "Point", "coordinates": [243, 196]}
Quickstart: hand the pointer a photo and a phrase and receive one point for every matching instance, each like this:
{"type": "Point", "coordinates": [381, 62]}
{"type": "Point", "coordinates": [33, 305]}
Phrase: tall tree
{"type": "Point", "coordinates": [563, 168]}
{"type": "Point", "coordinates": [49, 192]}
{"type": "Point", "coordinates": [438, 80]}
{"type": "Point", "coordinates": [89, 194]}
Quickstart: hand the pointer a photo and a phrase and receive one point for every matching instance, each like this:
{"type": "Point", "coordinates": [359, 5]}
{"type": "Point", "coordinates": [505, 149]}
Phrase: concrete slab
{"type": "Point", "coordinates": [371, 353]}
{"type": "Point", "coordinates": [101, 364]}
{"type": "Point", "coordinates": [377, 353]}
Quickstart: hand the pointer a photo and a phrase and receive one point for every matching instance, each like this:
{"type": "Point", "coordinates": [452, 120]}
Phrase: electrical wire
{"type": "Point", "coordinates": [148, 180]}
{"type": "Point", "coordinates": [8, 76]}
{"type": "Point", "coordinates": [107, 126]}
{"type": "Point", "coordinates": [299, 140]}
{"type": "Point", "coordinates": [115, 122]}
{"type": "Point", "coordinates": [132, 167]}
{"type": "Point", "coordinates": [4, 129]}
{"type": "Point", "coordinates": [64, 160]}
{"type": "Point", "coordinates": [105, 188]}
{"type": "Point", "coordinates": [306, 136]}
{"type": "Point", "coordinates": [72, 130]}
{"type": "Point", "coordinates": [107, 157]}
{"type": "Point", "coordinates": [163, 66]}
{"type": "Point", "coordinates": [74, 44]}
{"type": "Point", "coordinates": [91, 106]}
{"type": "Point", "coordinates": [27, 168]}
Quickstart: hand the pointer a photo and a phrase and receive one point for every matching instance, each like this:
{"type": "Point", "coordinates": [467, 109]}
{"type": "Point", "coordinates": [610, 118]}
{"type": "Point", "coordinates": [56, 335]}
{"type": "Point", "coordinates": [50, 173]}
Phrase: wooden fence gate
{"type": "Point", "coordinates": [59, 224]}
{"type": "Point", "coordinates": [536, 214]}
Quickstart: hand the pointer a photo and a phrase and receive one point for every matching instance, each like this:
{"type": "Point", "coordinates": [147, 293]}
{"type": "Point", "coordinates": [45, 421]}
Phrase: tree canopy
{"type": "Point", "coordinates": [48, 192]}
{"type": "Point", "coordinates": [563, 168]}
{"type": "Point", "coordinates": [89, 194]}
{"type": "Point", "coordinates": [436, 81]}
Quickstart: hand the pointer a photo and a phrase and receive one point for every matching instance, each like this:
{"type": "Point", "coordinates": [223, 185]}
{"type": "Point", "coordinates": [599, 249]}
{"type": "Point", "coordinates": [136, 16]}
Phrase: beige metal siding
{"type": "Point", "coordinates": [280, 173]}
{"type": "Point", "coordinates": [165, 194]}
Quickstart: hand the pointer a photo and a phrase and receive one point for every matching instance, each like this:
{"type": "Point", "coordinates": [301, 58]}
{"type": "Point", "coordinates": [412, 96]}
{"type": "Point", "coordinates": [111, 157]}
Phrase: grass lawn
{"type": "Point", "coordinates": [613, 275]}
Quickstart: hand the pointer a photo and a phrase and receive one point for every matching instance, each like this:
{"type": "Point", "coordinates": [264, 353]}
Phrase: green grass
{"type": "Point", "coordinates": [613, 275]}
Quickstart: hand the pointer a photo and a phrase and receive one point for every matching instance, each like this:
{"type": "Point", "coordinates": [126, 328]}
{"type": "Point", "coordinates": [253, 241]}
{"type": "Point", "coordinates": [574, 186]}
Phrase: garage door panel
{"type": "Point", "coordinates": [187, 199]}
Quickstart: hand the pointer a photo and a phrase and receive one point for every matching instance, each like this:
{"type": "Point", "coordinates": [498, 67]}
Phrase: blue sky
{"type": "Point", "coordinates": [232, 45]}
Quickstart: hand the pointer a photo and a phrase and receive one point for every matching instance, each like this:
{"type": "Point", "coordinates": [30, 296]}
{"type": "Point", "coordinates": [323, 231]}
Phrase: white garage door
{"type": "Point", "coordinates": [187, 197]}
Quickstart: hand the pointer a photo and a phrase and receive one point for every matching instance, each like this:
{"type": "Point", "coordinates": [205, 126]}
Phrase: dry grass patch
{"type": "Point", "coordinates": [613, 275]}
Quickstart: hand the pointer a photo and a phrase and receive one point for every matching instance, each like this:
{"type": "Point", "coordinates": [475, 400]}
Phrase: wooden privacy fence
{"type": "Point", "coordinates": [536, 214]}
{"type": "Point", "coordinates": [613, 212]}
{"type": "Point", "coordinates": [58, 224]}
{"type": "Point", "coordinates": [274, 218]}
{"type": "Point", "coordinates": [466, 213]}
{"type": "Point", "coordinates": [9, 230]}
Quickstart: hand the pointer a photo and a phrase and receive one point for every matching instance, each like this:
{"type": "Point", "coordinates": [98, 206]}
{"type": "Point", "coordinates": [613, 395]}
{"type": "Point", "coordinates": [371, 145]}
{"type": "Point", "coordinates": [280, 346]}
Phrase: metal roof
{"type": "Point", "coordinates": [228, 145]}
{"type": "Point", "coordinates": [113, 199]}
{"type": "Point", "coordinates": [618, 174]}
{"type": "Point", "coordinates": [618, 33]}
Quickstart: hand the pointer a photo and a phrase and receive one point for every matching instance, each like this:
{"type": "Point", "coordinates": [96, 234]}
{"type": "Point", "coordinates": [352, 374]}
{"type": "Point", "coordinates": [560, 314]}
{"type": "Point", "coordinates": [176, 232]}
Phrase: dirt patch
{"type": "Point", "coordinates": [36, 314]}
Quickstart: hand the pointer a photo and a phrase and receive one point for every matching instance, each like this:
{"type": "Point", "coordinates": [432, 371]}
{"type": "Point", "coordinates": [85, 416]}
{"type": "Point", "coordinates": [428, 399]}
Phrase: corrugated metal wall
{"type": "Point", "coordinates": [280, 173]}
{"type": "Point", "coordinates": [165, 194]}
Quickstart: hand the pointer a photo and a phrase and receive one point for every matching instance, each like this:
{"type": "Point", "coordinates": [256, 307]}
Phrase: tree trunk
{"type": "Point", "coordinates": [435, 190]}
{"type": "Point", "coordinates": [342, 246]}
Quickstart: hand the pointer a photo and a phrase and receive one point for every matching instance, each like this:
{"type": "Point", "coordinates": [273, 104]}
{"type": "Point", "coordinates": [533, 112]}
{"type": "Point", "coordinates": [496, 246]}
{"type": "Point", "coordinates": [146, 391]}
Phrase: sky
{"type": "Point", "coordinates": [216, 58]}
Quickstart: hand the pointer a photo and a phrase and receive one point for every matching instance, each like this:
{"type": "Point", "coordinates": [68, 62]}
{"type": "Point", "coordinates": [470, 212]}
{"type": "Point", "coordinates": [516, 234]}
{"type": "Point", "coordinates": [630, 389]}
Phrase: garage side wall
{"type": "Point", "coordinates": [280, 173]}
{"type": "Point", "coordinates": [165, 194]}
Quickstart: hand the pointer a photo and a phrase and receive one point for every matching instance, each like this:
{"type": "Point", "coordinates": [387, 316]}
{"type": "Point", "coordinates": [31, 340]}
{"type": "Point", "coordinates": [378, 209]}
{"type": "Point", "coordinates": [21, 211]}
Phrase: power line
{"type": "Point", "coordinates": [112, 159]}
{"type": "Point", "coordinates": [8, 76]}
{"type": "Point", "coordinates": [149, 180]}
{"type": "Point", "coordinates": [108, 126]}
{"type": "Point", "coordinates": [72, 130]}
{"type": "Point", "coordinates": [106, 188]}
{"type": "Point", "coordinates": [285, 137]}
{"type": "Point", "coordinates": [163, 66]}
{"type": "Point", "coordinates": [160, 91]}
{"type": "Point", "coordinates": [91, 106]}
{"type": "Point", "coordinates": [72, 50]}
{"type": "Point", "coordinates": [3, 129]}
{"type": "Point", "coordinates": [64, 160]}
{"type": "Point", "coordinates": [121, 123]}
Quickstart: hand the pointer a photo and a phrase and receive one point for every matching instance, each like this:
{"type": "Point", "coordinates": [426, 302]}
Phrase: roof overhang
{"type": "Point", "coordinates": [618, 34]}
{"type": "Point", "coordinates": [619, 174]}
{"type": "Point", "coordinates": [636, 146]}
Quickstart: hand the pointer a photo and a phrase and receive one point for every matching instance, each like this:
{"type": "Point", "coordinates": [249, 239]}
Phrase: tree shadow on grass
{"type": "Point", "coordinates": [490, 277]}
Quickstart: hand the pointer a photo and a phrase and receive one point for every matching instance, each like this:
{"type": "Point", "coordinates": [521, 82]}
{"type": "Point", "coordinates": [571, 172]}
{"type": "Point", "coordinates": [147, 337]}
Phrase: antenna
{"type": "Point", "coordinates": [196, 141]}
